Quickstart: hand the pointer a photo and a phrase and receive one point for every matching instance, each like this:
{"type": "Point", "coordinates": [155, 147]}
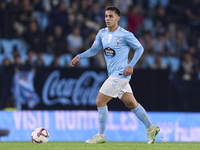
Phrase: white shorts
{"type": "Point", "coordinates": [115, 87]}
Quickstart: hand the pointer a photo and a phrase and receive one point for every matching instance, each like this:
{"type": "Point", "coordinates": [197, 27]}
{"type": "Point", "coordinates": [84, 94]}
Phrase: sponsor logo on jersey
{"type": "Point", "coordinates": [109, 52]}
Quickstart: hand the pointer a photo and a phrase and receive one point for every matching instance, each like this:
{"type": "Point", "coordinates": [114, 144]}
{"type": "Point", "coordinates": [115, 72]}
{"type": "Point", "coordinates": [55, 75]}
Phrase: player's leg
{"type": "Point", "coordinates": [129, 100]}
{"type": "Point", "coordinates": [131, 103]}
{"type": "Point", "coordinates": [109, 89]}
{"type": "Point", "coordinates": [101, 102]}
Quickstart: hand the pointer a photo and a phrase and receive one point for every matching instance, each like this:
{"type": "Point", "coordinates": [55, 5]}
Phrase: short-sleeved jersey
{"type": "Point", "coordinates": [116, 46]}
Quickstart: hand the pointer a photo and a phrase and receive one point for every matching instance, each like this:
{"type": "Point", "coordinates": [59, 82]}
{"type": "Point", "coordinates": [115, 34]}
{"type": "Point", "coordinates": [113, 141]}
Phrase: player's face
{"type": "Point", "coordinates": [111, 19]}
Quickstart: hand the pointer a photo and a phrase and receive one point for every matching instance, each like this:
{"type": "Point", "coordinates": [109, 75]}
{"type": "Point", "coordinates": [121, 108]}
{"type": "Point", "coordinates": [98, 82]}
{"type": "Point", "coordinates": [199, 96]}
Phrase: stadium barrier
{"type": "Point", "coordinates": [49, 88]}
{"type": "Point", "coordinates": [81, 125]}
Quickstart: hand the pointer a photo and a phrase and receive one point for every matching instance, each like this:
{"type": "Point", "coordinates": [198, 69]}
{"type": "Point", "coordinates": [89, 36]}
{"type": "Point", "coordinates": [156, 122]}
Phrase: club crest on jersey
{"type": "Point", "coordinates": [109, 52]}
{"type": "Point", "coordinates": [118, 40]}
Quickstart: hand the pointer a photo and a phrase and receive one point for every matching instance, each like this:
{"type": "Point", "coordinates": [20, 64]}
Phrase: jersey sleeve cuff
{"type": "Point", "coordinates": [79, 56]}
{"type": "Point", "coordinates": [131, 66]}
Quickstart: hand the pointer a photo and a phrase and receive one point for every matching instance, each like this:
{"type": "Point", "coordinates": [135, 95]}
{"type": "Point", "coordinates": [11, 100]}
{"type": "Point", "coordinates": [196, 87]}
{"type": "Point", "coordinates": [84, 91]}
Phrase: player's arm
{"type": "Point", "coordinates": [90, 52]}
{"type": "Point", "coordinates": [135, 44]}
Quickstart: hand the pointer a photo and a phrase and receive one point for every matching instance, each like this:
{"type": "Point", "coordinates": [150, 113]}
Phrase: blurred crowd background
{"type": "Point", "coordinates": [51, 32]}
{"type": "Point", "coordinates": [37, 35]}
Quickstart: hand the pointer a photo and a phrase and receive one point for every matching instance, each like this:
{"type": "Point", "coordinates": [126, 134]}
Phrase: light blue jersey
{"type": "Point", "coordinates": [116, 46]}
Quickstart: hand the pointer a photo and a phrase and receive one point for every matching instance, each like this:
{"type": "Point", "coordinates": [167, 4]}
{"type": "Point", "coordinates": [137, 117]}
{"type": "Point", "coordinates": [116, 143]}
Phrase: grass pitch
{"type": "Point", "coordinates": [105, 146]}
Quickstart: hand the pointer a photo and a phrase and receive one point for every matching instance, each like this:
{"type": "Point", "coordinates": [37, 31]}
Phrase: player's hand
{"type": "Point", "coordinates": [128, 71]}
{"type": "Point", "coordinates": [74, 61]}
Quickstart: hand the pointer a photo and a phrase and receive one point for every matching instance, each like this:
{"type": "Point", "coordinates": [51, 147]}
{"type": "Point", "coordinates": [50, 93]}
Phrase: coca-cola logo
{"type": "Point", "coordinates": [79, 91]}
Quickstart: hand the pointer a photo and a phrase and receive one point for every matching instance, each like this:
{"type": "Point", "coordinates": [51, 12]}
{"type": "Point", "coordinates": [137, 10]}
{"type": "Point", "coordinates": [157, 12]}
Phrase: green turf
{"type": "Point", "coordinates": [105, 146]}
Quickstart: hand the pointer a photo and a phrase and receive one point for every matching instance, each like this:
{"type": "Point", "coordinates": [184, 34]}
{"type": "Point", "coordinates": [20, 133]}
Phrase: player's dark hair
{"type": "Point", "coordinates": [113, 8]}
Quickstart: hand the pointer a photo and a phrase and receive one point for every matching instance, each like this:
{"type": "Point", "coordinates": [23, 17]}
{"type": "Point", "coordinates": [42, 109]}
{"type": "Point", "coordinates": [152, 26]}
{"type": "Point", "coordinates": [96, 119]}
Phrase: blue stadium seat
{"type": "Point", "coordinates": [148, 24]}
{"type": "Point", "coordinates": [84, 63]}
{"type": "Point", "coordinates": [174, 63]}
{"type": "Point", "coordinates": [164, 3]}
{"type": "Point", "coordinates": [8, 48]}
{"type": "Point", "coordinates": [21, 46]}
{"type": "Point", "coordinates": [150, 59]}
{"type": "Point", "coordinates": [153, 3]}
{"type": "Point", "coordinates": [165, 60]}
{"type": "Point", "coordinates": [24, 58]}
{"type": "Point", "coordinates": [123, 22]}
{"type": "Point", "coordinates": [42, 20]}
{"type": "Point", "coordinates": [48, 59]}
{"type": "Point", "coordinates": [65, 60]}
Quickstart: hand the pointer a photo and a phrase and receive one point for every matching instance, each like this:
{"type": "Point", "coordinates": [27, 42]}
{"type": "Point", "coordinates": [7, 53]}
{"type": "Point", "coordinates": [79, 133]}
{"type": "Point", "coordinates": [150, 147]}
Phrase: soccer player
{"type": "Point", "coordinates": [116, 43]}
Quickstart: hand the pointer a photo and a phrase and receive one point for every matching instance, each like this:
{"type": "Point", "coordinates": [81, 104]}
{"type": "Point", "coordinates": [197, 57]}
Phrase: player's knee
{"type": "Point", "coordinates": [99, 103]}
{"type": "Point", "coordinates": [130, 105]}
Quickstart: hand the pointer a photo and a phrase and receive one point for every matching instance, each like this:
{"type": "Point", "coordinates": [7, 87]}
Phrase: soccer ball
{"type": "Point", "coordinates": [40, 135]}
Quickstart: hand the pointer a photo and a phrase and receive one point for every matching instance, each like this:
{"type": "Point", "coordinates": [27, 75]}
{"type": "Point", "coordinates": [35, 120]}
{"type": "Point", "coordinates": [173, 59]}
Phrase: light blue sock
{"type": "Point", "coordinates": [103, 117]}
{"type": "Point", "coordinates": [142, 115]}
